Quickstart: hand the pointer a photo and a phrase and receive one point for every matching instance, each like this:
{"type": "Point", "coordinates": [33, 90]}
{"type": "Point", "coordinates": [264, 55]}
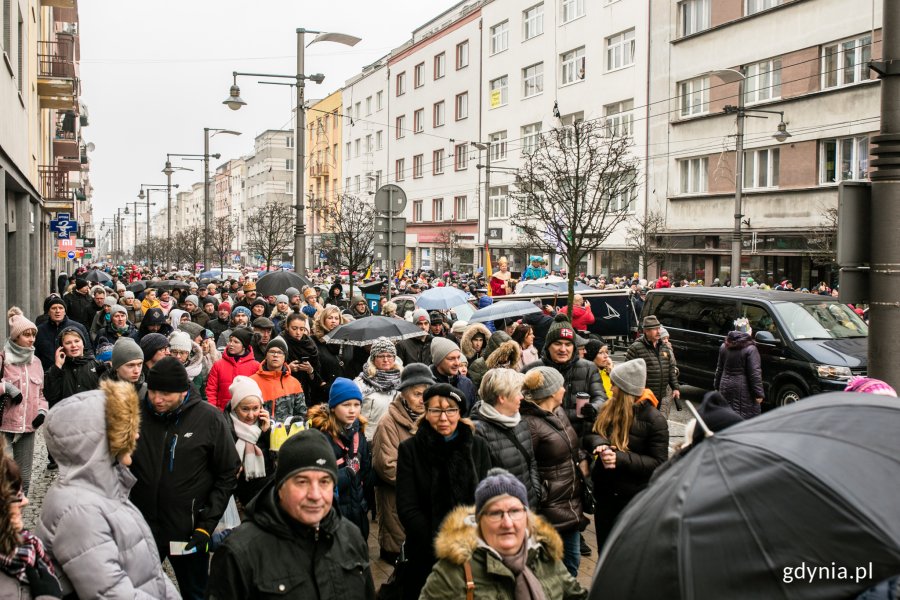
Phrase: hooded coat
{"type": "Point", "coordinates": [223, 373]}
{"type": "Point", "coordinates": [739, 374]}
{"type": "Point", "coordinates": [47, 340]}
{"type": "Point", "coordinates": [77, 375]}
{"type": "Point", "coordinates": [465, 344]}
{"type": "Point", "coordinates": [282, 394]}
{"type": "Point", "coordinates": [479, 367]}
{"type": "Point", "coordinates": [458, 542]}
{"type": "Point", "coordinates": [102, 545]}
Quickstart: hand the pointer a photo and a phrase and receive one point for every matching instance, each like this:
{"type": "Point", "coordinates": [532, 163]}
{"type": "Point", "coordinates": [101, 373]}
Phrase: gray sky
{"type": "Point", "coordinates": [154, 74]}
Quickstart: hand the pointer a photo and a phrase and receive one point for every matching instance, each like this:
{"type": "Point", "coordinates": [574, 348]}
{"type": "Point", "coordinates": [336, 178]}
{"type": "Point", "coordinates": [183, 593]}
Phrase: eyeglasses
{"type": "Point", "coordinates": [496, 516]}
{"type": "Point", "coordinates": [275, 352]}
{"type": "Point", "coordinates": [437, 412]}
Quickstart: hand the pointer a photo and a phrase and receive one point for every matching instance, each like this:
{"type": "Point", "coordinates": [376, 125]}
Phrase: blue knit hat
{"type": "Point", "coordinates": [342, 390]}
{"type": "Point", "coordinates": [240, 310]}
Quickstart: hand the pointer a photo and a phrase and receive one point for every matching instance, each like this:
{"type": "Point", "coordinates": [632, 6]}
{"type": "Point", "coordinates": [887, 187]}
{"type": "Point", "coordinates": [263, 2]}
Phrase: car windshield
{"type": "Point", "coordinates": [821, 320]}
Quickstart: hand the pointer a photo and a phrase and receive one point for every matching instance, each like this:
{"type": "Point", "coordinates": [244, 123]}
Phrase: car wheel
{"type": "Point", "coordinates": [788, 394]}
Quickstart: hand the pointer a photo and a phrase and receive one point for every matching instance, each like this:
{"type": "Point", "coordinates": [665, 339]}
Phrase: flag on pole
{"type": "Point", "coordinates": [368, 272]}
{"type": "Point", "coordinates": [407, 264]}
{"type": "Point", "coordinates": [488, 269]}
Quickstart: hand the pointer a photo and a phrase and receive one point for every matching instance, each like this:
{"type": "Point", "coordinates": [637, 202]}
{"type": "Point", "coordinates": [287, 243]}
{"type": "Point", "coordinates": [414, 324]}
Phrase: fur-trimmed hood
{"type": "Point", "coordinates": [507, 355]}
{"type": "Point", "coordinates": [465, 344]}
{"type": "Point", "coordinates": [457, 540]}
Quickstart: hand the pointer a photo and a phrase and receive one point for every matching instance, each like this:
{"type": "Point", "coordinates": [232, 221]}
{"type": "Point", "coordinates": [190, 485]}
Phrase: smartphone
{"type": "Point", "coordinates": [304, 359]}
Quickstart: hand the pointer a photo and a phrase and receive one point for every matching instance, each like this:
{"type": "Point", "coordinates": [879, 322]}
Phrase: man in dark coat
{"type": "Point", "coordinates": [45, 344]}
{"type": "Point", "coordinates": [659, 359]}
{"type": "Point", "coordinates": [293, 542]}
{"type": "Point", "coordinates": [445, 361]}
{"type": "Point", "coordinates": [118, 327]}
{"type": "Point", "coordinates": [186, 469]}
{"type": "Point", "coordinates": [417, 349]}
{"type": "Point", "coordinates": [79, 302]}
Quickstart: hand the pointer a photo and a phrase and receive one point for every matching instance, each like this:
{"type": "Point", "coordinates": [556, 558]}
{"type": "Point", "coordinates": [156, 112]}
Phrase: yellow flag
{"type": "Point", "coordinates": [368, 272]}
{"type": "Point", "coordinates": [488, 269]}
{"type": "Point", "coordinates": [407, 264]}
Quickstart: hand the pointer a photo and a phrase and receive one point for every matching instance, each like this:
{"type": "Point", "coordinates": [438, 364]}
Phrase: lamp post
{"type": "Point", "coordinates": [136, 205]}
{"type": "Point", "coordinates": [145, 195]}
{"type": "Point", "coordinates": [234, 102]}
{"type": "Point", "coordinates": [168, 170]}
{"type": "Point", "coordinates": [206, 207]}
{"type": "Point", "coordinates": [486, 147]}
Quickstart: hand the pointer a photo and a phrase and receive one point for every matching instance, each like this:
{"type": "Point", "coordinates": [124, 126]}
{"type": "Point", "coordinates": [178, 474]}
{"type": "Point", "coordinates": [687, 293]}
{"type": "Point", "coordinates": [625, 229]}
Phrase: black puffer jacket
{"type": "Point", "coordinates": [272, 556]}
{"type": "Point", "coordinates": [660, 365]}
{"type": "Point", "coordinates": [506, 454]}
{"type": "Point", "coordinates": [332, 362]}
{"type": "Point", "coordinates": [80, 308]}
{"type": "Point", "coordinates": [739, 374]}
{"type": "Point", "coordinates": [580, 375]}
{"type": "Point", "coordinates": [555, 442]}
{"type": "Point", "coordinates": [415, 350]}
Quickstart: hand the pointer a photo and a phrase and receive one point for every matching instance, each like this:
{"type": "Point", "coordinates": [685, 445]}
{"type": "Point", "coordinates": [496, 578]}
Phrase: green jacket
{"type": "Point", "coordinates": [458, 542]}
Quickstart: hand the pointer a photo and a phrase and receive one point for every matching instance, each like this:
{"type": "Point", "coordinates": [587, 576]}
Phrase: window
{"type": "Point", "coordinates": [379, 100]}
{"type": "Point", "coordinates": [460, 157]}
{"type": "Point", "coordinates": [500, 37]}
{"type": "Point", "coordinates": [379, 176]}
{"type": "Point", "coordinates": [289, 164]}
{"type": "Point", "coordinates": [401, 83]}
{"type": "Point", "coordinates": [568, 122]}
{"type": "Point", "coordinates": [693, 16]}
{"type": "Point", "coordinates": [533, 80]}
{"type": "Point", "coordinates": [437, 209]}
{"type": "Point", "coordinates": [694, 96]}
{"type": "Point", "coordinates": [6, 17]}
{"type": "Point", "coordinates": [755, 6]}
{"type": "Point", "coordinates": [347, 151]}
{"type": "Point", "coordinates": [358, 109]}
{"type": "Point", "coordinates": [417, 211]}
{"type": "Point", "coordinates": [462, 55]}
{"type": "Point", "coordinates": [571, 10]}
{"type": "Point", "coordinates": [437, 162]}
{"type": "Point", "coordinates": [334, 120]}
{"type": "Point", "coordinates": [400, 169]}
{"type": "Point", "coordinates": [845, 159]}
{"type": "Point", "coordinates": [624, 199]}
{"type": "Point", "coordinates": [620, 50]}
{"type": "Point", "coordinates": [530, 135]}
{"type": "Point", "coordinates": [369, 146]}
{"type": "Point", "coordinates": [761, 168]}
{"type": "Point", "coordinates": [619, 120]}
{"type": "Point", "coordinates": [289, 141]}
{"type": "Point", "coordinates": [379, 141]}
{"type": "Point", "coordinates": [459, 208]}
{"type": "Point", "coordinates": [533, 21]}
{"type": "Point", "coordinates": [438, 113]}
{"type": "Point", "coordinates": [357, 147]}
{"type": "Point", "coordinates": [498, 91]}
{"type": "Point", "coordinates": [368, 106]}
{"type": "Point", "coordinates": [845, 62]}
{"type": "Point", "coordinates": [462, 106]}
{"type": "Point", "coordinates": [693, 173]}
{"type": "Point", "coordinates": [347, 185]}
{"type": "Point", "coordinates": [763, 81]}
{"type": "Point", "coordinates": [440, 65]}
{"type": "Point", "coordinates": [356, 183]}
{"type": "Point", "coordinates": [572, 66]}
{"type": "Point", "coordinates": [400, 126]}
{"type": "Point", "coordinates": [419, 121]}
{"type": "Point", "coordinates": [417, 166]}
{"type": "Point", "coordinates": [498, 145]}
{"type": "Point", "coordinates": [499, 202]}
{"type": "Point", "coordinates": [419, 75]}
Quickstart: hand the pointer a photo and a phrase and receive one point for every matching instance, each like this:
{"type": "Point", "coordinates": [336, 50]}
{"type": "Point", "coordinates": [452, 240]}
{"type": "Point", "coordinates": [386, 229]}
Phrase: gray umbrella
{"type": "Point", "coordinates": [747, 512]}
{"type": "Point", "coordinates": [362, 332]}
{"type": "Point", "coordinates": [511, 309]}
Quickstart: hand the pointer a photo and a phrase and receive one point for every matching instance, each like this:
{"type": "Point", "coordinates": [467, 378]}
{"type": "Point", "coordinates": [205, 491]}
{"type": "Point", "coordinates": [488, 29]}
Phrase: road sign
{"type": "Point", "coordinates": [63, 226]}
{"type": "Point", "coordinates": [390, 197]}
{"type": "Point", "coordinates": [381, 252]}
{"type": "Point", "coordinates": [70, 255]}
{"type": "Point", "coordinates": [398, 224]}
{"type": "Point", "coordinates": [90, 242]}
{"type": "Point", "coordinates": [397, 239]}
{"type": "Point", "coordinates": [61, 254]}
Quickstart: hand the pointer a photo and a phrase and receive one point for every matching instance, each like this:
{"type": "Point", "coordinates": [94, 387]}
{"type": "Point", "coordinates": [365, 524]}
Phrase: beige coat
{"type": "Point", "coordinates": [395, 427]}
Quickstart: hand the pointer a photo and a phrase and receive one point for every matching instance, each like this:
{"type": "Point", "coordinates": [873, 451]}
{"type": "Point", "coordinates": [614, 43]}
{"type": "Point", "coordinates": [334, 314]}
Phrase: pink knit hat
{"type": "Point", "coordinates": [18, 324]}
{"type": "Point", "coordinates": [868, 385]}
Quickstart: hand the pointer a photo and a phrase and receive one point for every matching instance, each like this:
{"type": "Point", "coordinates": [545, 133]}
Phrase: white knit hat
{"type": "Point", "coordinates": [179, 340]}
{"type": "Point", "coordinates": [243, 387]}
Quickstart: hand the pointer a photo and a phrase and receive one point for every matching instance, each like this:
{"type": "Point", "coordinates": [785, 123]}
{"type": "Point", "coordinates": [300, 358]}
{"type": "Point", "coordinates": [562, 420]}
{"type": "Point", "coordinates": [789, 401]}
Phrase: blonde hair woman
{"type": "Point", "coordinates": [332, 358]}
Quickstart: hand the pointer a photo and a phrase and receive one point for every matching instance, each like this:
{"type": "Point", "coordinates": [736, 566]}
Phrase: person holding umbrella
{"type": "Point", "coordinates": [379, 381]}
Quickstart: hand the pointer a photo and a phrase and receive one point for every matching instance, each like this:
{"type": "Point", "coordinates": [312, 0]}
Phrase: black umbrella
{"type": "Point", "coordinates": [169, 284]}
{"type": "Point", "coordinates": [95, 276]}
{"type": "Point", "coordinates": [274, 283]}
{"type": "Point", "coordinates": [137, 286]}
{"type": "Point", "coordinates": [362, 332]}
{"type": "Point", "coordinates": [747, 513]}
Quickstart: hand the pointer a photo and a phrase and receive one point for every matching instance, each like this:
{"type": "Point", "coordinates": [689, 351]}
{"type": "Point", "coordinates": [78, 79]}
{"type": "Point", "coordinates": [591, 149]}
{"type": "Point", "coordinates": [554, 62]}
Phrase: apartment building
{"type": "Point", "coordinates": [324, 165]}
{"type": "Point", "coordinates": [803, 58]}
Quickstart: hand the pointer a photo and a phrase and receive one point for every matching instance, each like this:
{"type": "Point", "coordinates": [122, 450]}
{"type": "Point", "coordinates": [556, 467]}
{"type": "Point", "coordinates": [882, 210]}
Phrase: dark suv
{"type": "Point", "coordinates": [808, 344]}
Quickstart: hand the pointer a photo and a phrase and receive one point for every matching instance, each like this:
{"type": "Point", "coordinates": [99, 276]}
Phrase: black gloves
{"type": "Point", "coordinates": [38, 420]}
{"type": "Point", "coordinates": [199, 540]}
{"type": "Point", "coordinates": [588, 412]}
{"type": "Point", "coordinates": [42, 583]}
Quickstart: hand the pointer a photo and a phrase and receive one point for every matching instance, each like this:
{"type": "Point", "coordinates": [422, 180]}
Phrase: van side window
{"type": "Point", "coordinates": [713, 316]}
{"type": "Point", "coordinates": [672, 312]}
{"type": "Point", "coordinates": [760, 319]}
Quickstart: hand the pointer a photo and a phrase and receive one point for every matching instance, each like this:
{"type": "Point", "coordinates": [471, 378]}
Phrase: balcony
{"type": "Point", "coordinates": [319, 169]}
{"type": "Point", "coordinates": [65, 141]}
{"type": "Point", "coordinates": [57, 80]}
{"type": "Point", "coordinates": [60, 3]}
{"type": "Point", "coordinates": [55, 187]}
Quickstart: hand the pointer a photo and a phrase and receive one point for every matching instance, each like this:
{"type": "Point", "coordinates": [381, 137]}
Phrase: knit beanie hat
{"type": "Point", "coordinates": [459, 327]}
{"type": "Point", "coordinates": [870, 385]}
{"type": "Point", "coordinates": [243, 334]}
{"type": "Point", "coordinates": [291, 292]}
{"type": "Point", "coordinates": [81, 283]}
{"type": "Point", "coordinates": [440, 348]}
{"type": "Point", "coordinates": [193, 299]}
{"type": "Point", "coordinates": [118, 308]}
{"type": "Point", "coordinates": [240, 310]}
{"type": "Point", "coordinates": [498, 483]}
{"type": "Point", "coordinates": [308, 450]}
{"type": "Point", "coordinates": [192, 329]}
{"type": "Point", "coordinates": [225, 306]}
{"type": "Point", "coordinates": [342, 390]}
{"type": "Point", "coordinates": [51, 300]}
{"type": "Point", "coordinates": [168, 375]}
{"type": "Point", "coordinates": [307, 293]}
{"type": "Point", "coordinates": [18, 324]}
{"type": "Point", "coordinates": [180, 340]}
{"type": "Point", "coordinates": [124, 351]}
{"type": "Point", "coordinates": [560, 329]}
{"type": "Point", "coordinates": [128, 295]}
{"type": "Point", "coordinates": [630, 377]}
{"type": "Point", "coordinates": [154, 316]}
{"type": "Point", "coordinates": [277, 342]}
{"type": "Point", "coordinates": [110, 301]}
{"type": "Point", "coordinates": [593, 349]}
{"type": "Point", "coordinates": [152, 343]}
{"type": "Point", "coordinates": [420, 314]}
{"type": "Point", "coordinates": [717, 413]}
{"type": "Point", "coordinates": [383, 346]}
{"type": "Point", "coordinates": [282, 298]}
{"type": "Point", "coordinates": [243, 387]}
{"type": "Point", "coordinates": [210, 300]}
{"type": "Point", "coordinates": [542, 382]}
{"type": "Point", "coordinates": [415, 374]}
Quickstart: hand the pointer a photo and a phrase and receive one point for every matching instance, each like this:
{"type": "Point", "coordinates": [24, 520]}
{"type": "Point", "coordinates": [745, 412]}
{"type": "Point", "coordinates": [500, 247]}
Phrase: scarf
{"type": "Point", "coordinates": [302, 347]}
{"type": "Point", "coordinates": [527, 585]}
{"type": "Point", "coordinates": [414, 416]}
{"type": "Point", "coordinates": [251, 456]}
{"type": "Point", "coordinates": [28, 554]}
{"type": "Point", "coordinates": [492, 414]}
{"type": "Point", "coordinates": [194, 364]}
{"type": "Point", "coordinates": [16, 354]}
{"type": "Point", "coordinates": [382, 381]}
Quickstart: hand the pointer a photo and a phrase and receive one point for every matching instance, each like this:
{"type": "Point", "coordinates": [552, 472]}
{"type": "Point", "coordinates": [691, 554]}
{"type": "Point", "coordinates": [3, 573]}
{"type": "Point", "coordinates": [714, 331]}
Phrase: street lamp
{"type": "Point", "coordinates": [136, 206]}
{"type": "Point", "coordinates": [235, 102]}
{"type": "Point", "coordinates": [781, 134]}
{"type": "Point", "coordinates": [142, 195]}
{"type": "Point", "coordinates": [168, 170]}
{"type": "Point", "coordinates": [206, 208]}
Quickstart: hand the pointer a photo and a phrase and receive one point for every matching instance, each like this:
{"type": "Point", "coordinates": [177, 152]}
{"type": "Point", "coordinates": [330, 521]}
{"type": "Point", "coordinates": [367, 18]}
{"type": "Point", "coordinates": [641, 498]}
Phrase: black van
{"type": "Point", "coordinates": [808, 343]}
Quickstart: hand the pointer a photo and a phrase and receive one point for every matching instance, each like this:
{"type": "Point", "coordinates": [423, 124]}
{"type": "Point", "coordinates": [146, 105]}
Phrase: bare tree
{"type": "Point", "coordinates": [446, 250]}
{"type": "Point", "coordinates": [351, 224]}
{"type": "Point", "coordinates": [644, 235]}
{"type": "Point", "coordinates": [823, 240]}
{"type": "Point", "coordinates": [221, 238]}
{"type": "Point", "coordinates": [270, 231]}
{"type": "Point", "coordinates": [188, 247]}
{"type": "Point", "coordinates": [575, 187]}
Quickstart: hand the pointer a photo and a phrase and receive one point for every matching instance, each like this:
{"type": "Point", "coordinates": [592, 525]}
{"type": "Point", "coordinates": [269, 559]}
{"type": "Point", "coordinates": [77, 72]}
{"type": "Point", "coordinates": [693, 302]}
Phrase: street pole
{"type": "Point", "coordinates": [487, 207]}
{"type": "Point", "coordinates": [299, 162]}
{"type": "Point", "coordinates": [149, 254]}
{"type": "Point", "coordinates": [206, 198]}
{"type": "Point", "coordinates": [738, 187]}
{"type": "Point", "coordinates": [390, 217]}
{"type": "Point", "coordinates": [168, 172]}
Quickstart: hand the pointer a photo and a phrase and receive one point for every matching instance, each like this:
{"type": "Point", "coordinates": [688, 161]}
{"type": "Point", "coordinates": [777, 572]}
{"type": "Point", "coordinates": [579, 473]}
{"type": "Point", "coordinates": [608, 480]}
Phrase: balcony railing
{"type": "Point", "coordinates": [55, 60]}
{"type": "Point", "coordinates": [319, 169]}
{"type": "Point", "coordinates": [54, 183]}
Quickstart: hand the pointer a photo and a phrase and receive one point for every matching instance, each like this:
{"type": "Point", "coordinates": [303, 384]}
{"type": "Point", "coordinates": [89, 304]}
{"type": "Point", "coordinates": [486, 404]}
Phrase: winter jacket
{"type": "Point", "coordinates": [223, 373]}
{"type": "Point", "coordinates": [28, 379]}
{"type": "Point", "coordinates": [246, 489]}
{"type": "Point", "coordinates": [580, 375]}
{"type": "Point", "coordinates": [96, 535]}
{"type": "Point", "coordinates": [80, 308]}
{"type": "Point", "coordinates": [305, 348]}
{"type": "Point", "coordinates": [582, 316]}
{"type": "Point", "coordinates": [395, 427]}
{"type": "Point", "coordinates": [272, 556]}
{"type": "Point", "coordinates": [529, 355]}
{"type": "Point", "coordinates": [739, 374]}
{"type": "Point", "coordinates": [415, 350]}
{"type": "Point", "coordinates": [660, 365]}
{"type": "Point", "coordinates": [556, 451]}
{"type": "Point", "coordinates": [282, 394]}
{"type": "Point", "coordinates": [218, 326]}
{"type": "Point", "coordinates": [434, 476]}
{"type": "Point", "coordinates": [465, 344]}
{"type": "Point", "coordinates": [199, 317]}
{"type": "Point", "coordinates": [460, 382]}
{"type": "Point", "coordinates": [375, 402]}
{"type": "Point", "coordinates": [13, 589]}
{"type": "Point", "coordinates": [47, 340]}
{"type": "Point", "coordinates": [478, 368]}
{"type": "Point", "coordinates": [353, 448]}
{"type": "Point", "coordinates": [458, 542]}
{"type": "Point", "coordinates": [332, 363]}
{"type": "Point", "coordinates": [505, 453]}
{"type": "Point", "coordinates": [77, 375]}
{"type": "Point", "coordinates": [186, 466]}
{"type": "Point", "coordinates": [109, 335]}
{"type": "Point", "coordinates": [101, 320]}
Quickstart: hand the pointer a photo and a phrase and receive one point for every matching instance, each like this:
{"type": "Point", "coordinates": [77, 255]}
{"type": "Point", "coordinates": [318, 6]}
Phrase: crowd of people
{"type": "Point", "coordinates": [227, 433]}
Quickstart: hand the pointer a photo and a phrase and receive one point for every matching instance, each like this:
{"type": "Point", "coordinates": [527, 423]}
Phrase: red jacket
{"type": "Point", "coordinates": [223, 373]}
{"type": "Point", "coordinates": [581, 316]}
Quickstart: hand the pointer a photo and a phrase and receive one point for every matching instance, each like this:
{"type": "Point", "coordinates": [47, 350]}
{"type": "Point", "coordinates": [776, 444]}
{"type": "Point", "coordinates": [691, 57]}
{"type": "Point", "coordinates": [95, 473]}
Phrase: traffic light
{"type": "Point", "coordinates": [854, 240]}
